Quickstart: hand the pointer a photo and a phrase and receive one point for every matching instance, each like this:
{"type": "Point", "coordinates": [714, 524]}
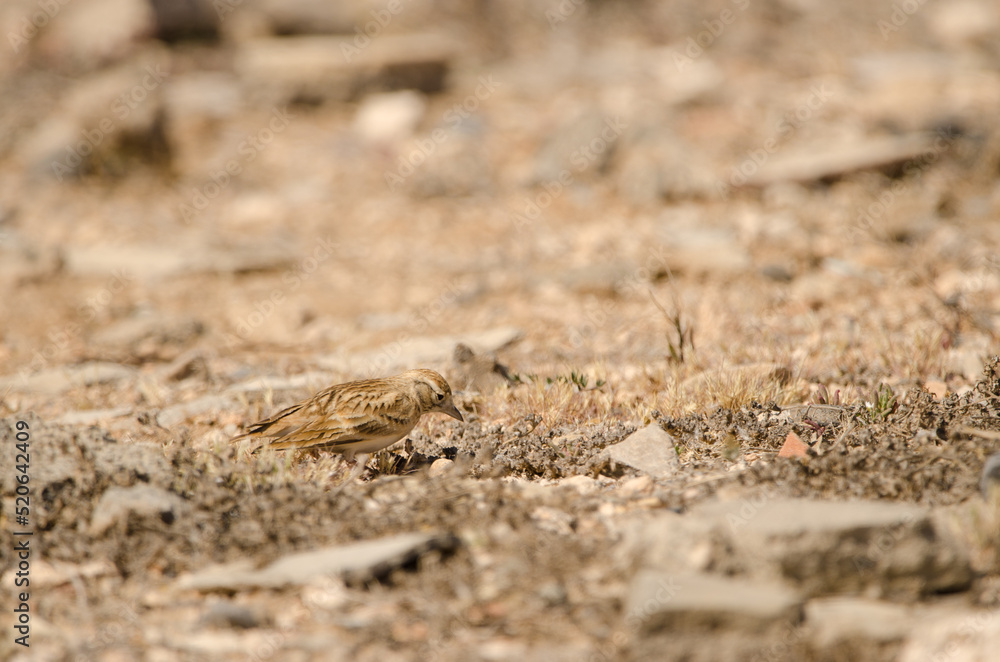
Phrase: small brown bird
{"type": "Point", "coordinates": [358, 417]}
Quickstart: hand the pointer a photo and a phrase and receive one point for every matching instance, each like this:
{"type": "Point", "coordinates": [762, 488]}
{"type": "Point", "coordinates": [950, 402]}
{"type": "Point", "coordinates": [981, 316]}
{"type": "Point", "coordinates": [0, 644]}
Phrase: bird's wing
{"type": "Point", "coordinates": [339, 416]}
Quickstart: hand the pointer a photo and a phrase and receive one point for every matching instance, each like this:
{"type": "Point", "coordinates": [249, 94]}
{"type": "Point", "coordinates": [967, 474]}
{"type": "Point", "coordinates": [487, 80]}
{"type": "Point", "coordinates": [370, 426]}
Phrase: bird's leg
{"type": "Point", "coordinates": [408, 447]}
{"type": "Point", "coordinates": [359, 465]}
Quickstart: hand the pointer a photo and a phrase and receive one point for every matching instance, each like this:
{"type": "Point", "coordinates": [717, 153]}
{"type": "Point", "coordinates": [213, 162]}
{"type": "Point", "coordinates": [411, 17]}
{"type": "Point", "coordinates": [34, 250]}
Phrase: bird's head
{"type": "Point", "coordinates": [433, 392]}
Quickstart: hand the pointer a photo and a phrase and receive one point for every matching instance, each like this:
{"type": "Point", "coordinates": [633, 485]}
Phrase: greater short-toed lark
{"type": "Point", "coordinates": [358, 417]}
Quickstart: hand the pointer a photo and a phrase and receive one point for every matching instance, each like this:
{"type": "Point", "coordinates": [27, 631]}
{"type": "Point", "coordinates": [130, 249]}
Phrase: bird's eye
{"type": "Point", "coordinates": [438, 396]}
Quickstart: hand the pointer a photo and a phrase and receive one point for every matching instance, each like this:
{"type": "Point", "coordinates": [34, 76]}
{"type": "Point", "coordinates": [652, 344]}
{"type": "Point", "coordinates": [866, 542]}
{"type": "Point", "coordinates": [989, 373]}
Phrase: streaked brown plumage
{"type": "Point", "coordinates": [358, 417]}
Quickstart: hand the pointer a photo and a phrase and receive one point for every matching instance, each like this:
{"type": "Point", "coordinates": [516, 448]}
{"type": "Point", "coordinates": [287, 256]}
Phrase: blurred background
{"type": "Point", "coordinates": [590, 215]}
{"type": "Point", "coordinates": [652, 193]}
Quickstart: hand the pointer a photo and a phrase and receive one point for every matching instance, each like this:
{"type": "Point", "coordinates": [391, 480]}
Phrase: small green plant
{"type": "Point", "coordinates": [881, 404]}
{"type": "Point", "coordinates": [577, 379]}
{"type": "Point", "coordinates": [680, 336]}
{"type": "Point", "coordinates": [823, 397]}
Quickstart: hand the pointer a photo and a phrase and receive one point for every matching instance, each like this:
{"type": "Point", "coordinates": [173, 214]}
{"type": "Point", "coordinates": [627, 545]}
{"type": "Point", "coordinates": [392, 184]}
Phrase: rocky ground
{"type": "Point", "coordinates": [716, 283]}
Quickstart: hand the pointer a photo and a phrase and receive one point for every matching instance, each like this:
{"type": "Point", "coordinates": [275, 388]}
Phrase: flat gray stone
{"type": "Point", "coordinates": [355, 562]}
{"type": "Point", "coordinates": [650, 450]}
{"type": "Point", "coordinates": [830, 621]}
{"type": "Point", "coordinates": [697, 602]}
{"type": "Point", "coordinates": [795, 517]}
{"type": "Point", "coordinates": [822, 414]}
{"type": "Point", "coordinates": [868, 548]}
{"type": "Point", "coordinates": [848, 547]}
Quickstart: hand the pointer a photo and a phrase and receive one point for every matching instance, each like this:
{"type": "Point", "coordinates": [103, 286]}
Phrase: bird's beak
{"type": "Point", "coordinates": [452, 410]}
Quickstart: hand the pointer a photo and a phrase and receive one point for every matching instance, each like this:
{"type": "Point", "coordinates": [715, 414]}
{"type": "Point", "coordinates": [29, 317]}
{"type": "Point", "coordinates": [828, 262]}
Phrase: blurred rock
{"type": "Point", "coordinates": [825, 547]}
{"type": "Point", "coordinates": [389, 117]}
{"type": "Point", "coordinates": [440, 467]}
{"type": "Point", "coordinates": [695, 603]}
{"type": "Point", "coordinates": [650, 450]}
{"type": "Point", "coordinates": [104, 123]}
{"type": "Point", "coordinates": [476, 372]}
{"type": "Point", "coordinates": [553, 520]}
{"type": "Point", "coordinates": [410, 351]}
{"type": "Point", "coordinates": [654, 164]}
{"type": "Point", "coordinates": [990, 481]}
{"type": "Point", "coordinates": [972, 635]}
{"type": "Point", "coordinates": [599, 279]}
{"type": "Point", "coordinates": [229, 615]}
{"type": "Point", "coordinates": [319, 69]}
{"type": "Point", "coordinates": [777, 272]}
{"type": "Point", "coordinates": [22, 262]}
{"type": "Point", "coordinates": [817, 164]}
{"type": "Point", "coordinates": [177, 19]}
{"type": "Point", "coordinates": [86, 35]}
{"type": "Point", "coordinates": [579, 146]}
{"type": "Point", "coordinates": [356, 562]}
{"type": "Point", "coordinates": [968, 361]}
{"type": "Point", "coordinates": [833, 621]}
{"type": "Point", "coordinates": [198, 104]}
{"type": "Point", "coordinates": [703, 250]}
{"type": "Point", "coordinates": [191, 363]}
{"type": "Point", "coordinates": [579, 484]}
{"type": "Point", "coordinates": [915, 90]}
{"type": "Point", "coordinates": [59, 573]}
{"type": "Point", "coordinates": [148, 262]}
{"type": "Point", "coordinates": [964, 22]}
{"type": "Point", "coordinates": [92, 416]}
{"type": "Point", "coordinates": [147, 335]}
{"type": "Point", "coordinates": [59, 380]}
{"type": "Point", "coordinates": [291, 17]}
{"type": "Point", "coordinates": [117, 504]}
{"type": "Point", "coordinates": [459, 165]}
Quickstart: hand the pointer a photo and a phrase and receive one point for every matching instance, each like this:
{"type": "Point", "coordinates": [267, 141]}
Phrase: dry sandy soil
{"type": "Point", "coordinates": [697, 215]}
